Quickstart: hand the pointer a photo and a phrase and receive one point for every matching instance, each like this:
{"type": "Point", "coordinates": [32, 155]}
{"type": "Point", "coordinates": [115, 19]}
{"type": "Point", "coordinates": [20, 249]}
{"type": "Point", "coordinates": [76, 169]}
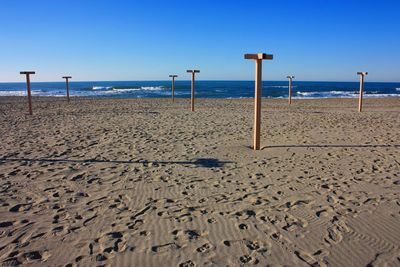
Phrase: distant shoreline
{"type": "Point", "coordinates": [204, 89]}
{"type": "Point", "coordinates": [197, 98]}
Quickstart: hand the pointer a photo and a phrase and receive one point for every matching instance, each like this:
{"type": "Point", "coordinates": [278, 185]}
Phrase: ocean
{"type": "Point", "coordinates": [204, 89]}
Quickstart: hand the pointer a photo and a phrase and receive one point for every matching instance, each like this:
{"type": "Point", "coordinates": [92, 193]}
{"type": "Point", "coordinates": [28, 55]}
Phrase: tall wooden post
{"type": "Point", "coordinates": [67, 84]}
{"type": "Point", "coordinates": [257, 107]}
{"type": "Point", "coordinates": [28, 87]}
{"type": "Point", "coordinates": [362, 74]}
{"type": "Point", "coordinates": [193, 78]}
{"type": "Point", "coordinates": [290, 77]}
{"type": "Point", "coordinates": [173, 85]}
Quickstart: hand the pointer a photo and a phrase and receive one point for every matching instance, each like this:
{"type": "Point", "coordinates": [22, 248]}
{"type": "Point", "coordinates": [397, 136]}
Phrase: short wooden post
{"type": "Point", "coordinates": [173, 85]}
{"type": "Point", "coordinates": [362, 74]}
{"type": "Point", "coordinates": [28, 87]}
{"type": "Point", "coordinates": [258, 83]}
{"type": "Point", "coordinates": [67, 84]}
{"type": "Point", "coordinates": [193, 78]}
{"type": "Point", "coordinates": [290, 77]}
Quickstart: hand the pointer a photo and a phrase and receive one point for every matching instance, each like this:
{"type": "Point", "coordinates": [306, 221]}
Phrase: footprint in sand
{"type": "Point", "coordinates": [307, 258]}
{"type": "Point", "coordinates": [78, 177]}
{"type": "Point", "coordinates": [252, 245]}
{"type": "Point", "coordinates": [188, 263]}
{"type": "Point", "coordinates": [165, 247]}
{"type": "Point", "coordinates": [211, 220]}
{"type": "Point", "coordinates": [20, 207]}
{"type": "Point", "coordinates": [333, 235]}
{"type": "Point", "coordinates": [336, 231]}
{"type": "Point", "coordinates": [57, 231]}
{"type": "Point", "coordinates": [243, 226]}
{"type": "Point", "coordinates": [106, 246]}
{"type": "Point", "coordinates": [26, 258]}
{"type": "Point", "coordinates": [245, 259]}
{"type": "Point", "coordinates": [33, 255]}
{"type": "Point", "coordinates": [6, 224]}
{"type": "Point", "coordinates": [112, 242]}
{"type": "Point", "coordinates": [135, 225]}
{"type": "Point", "coordinates": [186, 235]}
{"type": "Point", "coordinates": [244, 215]}
{"type": "Point", "coordinates": [204, 248]}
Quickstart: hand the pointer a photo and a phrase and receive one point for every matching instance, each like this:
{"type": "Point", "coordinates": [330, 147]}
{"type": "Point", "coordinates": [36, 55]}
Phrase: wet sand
{"type": "Point", "coordinates": [147, 182]}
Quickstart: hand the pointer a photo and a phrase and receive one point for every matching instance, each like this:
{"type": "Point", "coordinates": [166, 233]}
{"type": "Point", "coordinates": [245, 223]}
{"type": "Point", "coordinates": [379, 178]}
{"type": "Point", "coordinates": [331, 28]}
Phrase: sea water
{"type": "Point", "coordinates": [203, 89]}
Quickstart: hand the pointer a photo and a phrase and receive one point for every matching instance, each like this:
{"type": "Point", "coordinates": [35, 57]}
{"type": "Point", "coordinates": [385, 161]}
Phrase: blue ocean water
{"type": "Point", "coordinates": [204, 89]}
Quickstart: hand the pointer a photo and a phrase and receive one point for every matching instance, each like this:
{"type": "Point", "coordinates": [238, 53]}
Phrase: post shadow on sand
{"type": "Point", "coordinates": [199, 162]}
{"type": "Point", "coordinates": [331, 145]}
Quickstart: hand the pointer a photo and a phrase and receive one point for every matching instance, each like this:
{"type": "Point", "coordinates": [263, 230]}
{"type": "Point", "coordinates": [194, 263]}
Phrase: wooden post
{"type": "Point", "coordinates": [28, 87]}
{"type": "Point", "coordinates": [193, 78]}
{"type": "Point", "coordinates": [173, 85]}
{"type": "Point", "coordinates": [362, 74]}
{"type": "Point", "coordinates": [67, 84]}
{"type": "Point", "coordinates": [290, 77]}
{"type": "Point", "coordinates": [257, 107]}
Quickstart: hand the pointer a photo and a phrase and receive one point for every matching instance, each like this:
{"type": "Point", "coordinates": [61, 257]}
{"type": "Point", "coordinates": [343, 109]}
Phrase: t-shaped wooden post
{"type": "Point", "coordinates": [257, 107]}
{"type": "Point", "coordinates": [193, 76]}
{"type": "Point", "coordinates": [290, 77]}
{"type": "Point", "coordinates": [67, 83]}
{"type": "Point", "coordinates": [28, 87]}
{"type": "Point", "coordinates": [173, 85]}
{"type": "Point", "coordinates": [362, 74]}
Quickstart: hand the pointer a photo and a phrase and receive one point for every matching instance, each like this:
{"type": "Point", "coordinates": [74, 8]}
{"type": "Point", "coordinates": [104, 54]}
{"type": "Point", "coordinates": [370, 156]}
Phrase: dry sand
{"type": "Point", "coordinates": [149, 183]}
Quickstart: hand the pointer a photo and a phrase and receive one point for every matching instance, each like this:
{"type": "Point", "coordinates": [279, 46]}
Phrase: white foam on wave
{"type": "Point", "coordinates": [380, 95]}
{"type": "Point", "coordinates": [397, 89]}
{"type": "Point", "coordinates": [328, 94]}
{"type": "Point", "coordinates": [142, 88]}
{"type": "Point", "coordinates": [102, 87]}
{"type": "Point", "coordinates": [152, 88]}
{"type": "Point", "coordinates": [341, 94]}
{"type": "Point", "coordinates": [13, 93]}
{"type": "Point", "coordinates": [33, 93]}
{"type": "Point", "coordinates": [124, 90]}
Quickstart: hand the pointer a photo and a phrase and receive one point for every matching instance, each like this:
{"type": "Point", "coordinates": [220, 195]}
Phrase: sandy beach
{"type": "Point", "coordinates": [147, 182]}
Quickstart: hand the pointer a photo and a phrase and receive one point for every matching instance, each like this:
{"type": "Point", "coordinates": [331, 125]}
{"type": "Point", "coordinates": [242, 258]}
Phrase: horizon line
{"type": "Point", "coordinates": [205, 80]}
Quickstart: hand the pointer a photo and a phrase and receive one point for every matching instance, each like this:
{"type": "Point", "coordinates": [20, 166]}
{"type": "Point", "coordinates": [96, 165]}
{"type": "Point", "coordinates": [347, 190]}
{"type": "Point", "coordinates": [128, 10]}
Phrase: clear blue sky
{"type": "Point", "coordinates": [149, 39]}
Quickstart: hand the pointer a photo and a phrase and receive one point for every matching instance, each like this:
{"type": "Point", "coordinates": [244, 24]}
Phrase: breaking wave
{"type": "Point", "coordinates": [341, 94]}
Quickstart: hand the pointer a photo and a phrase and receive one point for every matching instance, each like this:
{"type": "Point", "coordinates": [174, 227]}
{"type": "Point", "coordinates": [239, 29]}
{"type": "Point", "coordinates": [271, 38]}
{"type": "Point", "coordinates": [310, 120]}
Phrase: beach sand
{"type": "Point", "coordinates": [147, 182]}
